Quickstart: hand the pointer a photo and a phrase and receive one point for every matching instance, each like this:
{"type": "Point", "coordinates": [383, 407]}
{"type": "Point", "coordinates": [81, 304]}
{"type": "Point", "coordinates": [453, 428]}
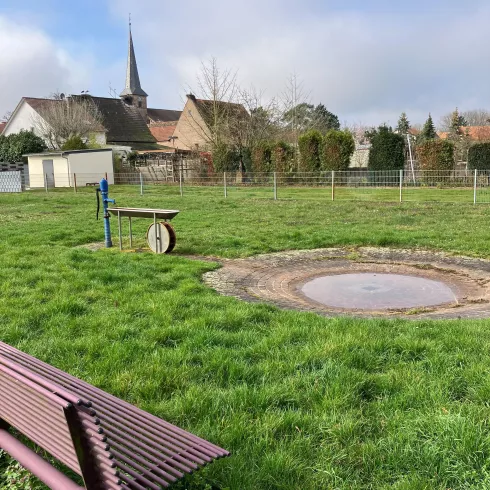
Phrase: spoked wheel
{"type": "Point", "coordinates": [165, 239]}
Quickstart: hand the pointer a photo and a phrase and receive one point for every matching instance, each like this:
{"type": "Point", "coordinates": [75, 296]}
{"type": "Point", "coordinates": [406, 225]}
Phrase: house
{"type": "Point", "coordinates": [126, 121]}
{"type": "Point", "coordinates": [193, 128]}
{"type": "Point", "coordinates": [2, 126]}
{"type": "Point", "coordinates": [162, 123]}
{"type": "Point", "coordinates": [474, 133]}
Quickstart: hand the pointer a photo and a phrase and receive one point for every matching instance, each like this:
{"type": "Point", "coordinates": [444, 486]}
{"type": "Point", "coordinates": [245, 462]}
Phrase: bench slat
{"type": "Point", "coordinates": [148, 452]}
{"type": "Point", "coordinates": [34, 463]}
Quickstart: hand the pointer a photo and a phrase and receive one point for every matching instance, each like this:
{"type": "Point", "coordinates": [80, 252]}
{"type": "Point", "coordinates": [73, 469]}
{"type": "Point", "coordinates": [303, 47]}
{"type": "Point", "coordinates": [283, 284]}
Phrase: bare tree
{"type": "Point", "coordinates": [60, 118]}
{"type": "Point", "coordinates": [293, 100]}
{"type": "Point", "coordinates": [264, 121]}
{"type": "Point", "coordinates": [6, 117]}
{"type": "Point", "coordinates": [474, 117]}
{"type": "Point", "coordinates": [217, 104]}
{"type": "Point", "coordinates": [358, 131]}
{"type": "Point", "coordinates": [477, 117]}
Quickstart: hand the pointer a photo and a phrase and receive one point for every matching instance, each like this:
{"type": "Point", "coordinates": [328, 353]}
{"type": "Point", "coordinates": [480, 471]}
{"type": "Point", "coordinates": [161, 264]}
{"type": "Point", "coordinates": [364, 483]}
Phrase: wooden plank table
{"type": "Point", "coordinates": [164, 214]}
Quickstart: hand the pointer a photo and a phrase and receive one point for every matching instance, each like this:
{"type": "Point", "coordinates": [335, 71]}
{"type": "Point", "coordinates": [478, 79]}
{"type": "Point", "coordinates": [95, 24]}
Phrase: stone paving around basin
{"type": "Point", "coordinates": [279, 277]}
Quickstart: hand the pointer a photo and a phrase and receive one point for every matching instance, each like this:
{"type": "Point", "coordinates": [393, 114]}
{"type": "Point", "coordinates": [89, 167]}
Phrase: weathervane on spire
{"type": "Point", "coordinates": [129, 20]}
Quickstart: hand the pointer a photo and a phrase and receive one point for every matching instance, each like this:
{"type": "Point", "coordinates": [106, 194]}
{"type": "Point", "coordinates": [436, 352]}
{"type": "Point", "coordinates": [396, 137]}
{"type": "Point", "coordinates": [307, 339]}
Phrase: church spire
{"type": "Point", "coordinates": [133, 85]}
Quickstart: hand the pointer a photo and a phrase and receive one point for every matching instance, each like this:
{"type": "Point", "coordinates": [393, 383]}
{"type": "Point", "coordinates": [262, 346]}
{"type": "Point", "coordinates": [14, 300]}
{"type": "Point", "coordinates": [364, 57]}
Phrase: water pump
{"type": "Point", "coordinates": [103, 189]}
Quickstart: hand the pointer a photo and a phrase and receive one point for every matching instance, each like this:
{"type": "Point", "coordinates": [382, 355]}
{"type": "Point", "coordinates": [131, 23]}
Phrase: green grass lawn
{"type": "Point", "coordinates": [301, 401]}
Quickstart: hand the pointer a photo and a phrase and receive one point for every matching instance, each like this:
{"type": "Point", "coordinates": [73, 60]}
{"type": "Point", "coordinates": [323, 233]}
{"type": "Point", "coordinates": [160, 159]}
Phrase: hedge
{"type": "Point", "coordinates": [479, 156]}
{"type": "Point", "coordinates": [436, 155]}
{"type": "Point", "coordinates": [338, 148]}
{"type": "Point", "coordinates": [283, 157]}
{"type": "Point", "coordinates": [310, 144]}
{"type": "Point", "coordinates": [262, 158]}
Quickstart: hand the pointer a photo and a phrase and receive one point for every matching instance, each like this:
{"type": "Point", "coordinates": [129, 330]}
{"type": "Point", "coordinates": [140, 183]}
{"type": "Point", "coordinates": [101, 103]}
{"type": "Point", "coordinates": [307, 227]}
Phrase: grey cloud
{"type": "Point", "coordinates": [364, 66]}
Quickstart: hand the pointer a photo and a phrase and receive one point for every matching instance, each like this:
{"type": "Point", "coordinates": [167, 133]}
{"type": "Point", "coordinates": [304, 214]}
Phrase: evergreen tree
{"type": "Point", "coordinates": [428, 131]}
{"type": "Point", "coordinates": [324, 120]}
{"type": "Point", "coordinates": [459, 136]}
{"type": "Point", "coordinates": [387, 149]}
{"type": "Point", "coordinates": [457, 121]}
{"type": "Point", "coordinates": [403, 124]}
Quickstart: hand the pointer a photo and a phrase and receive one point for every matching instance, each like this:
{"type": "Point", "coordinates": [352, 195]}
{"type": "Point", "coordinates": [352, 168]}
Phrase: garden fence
{"type": "Point", "coordinates": [470, 186]}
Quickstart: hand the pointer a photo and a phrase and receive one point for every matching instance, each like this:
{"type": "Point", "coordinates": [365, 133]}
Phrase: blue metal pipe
{"type": "Point", "coordinates": [104, 190]}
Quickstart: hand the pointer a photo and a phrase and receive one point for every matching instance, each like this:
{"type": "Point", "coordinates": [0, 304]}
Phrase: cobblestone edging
{"type": "Point", "coordinates": [277, 278]}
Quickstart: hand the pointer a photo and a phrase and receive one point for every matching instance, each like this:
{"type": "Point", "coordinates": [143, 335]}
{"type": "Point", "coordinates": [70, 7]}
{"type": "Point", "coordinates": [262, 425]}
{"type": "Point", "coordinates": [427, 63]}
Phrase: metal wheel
{"type": "Point", "coordinates": [165, 239]}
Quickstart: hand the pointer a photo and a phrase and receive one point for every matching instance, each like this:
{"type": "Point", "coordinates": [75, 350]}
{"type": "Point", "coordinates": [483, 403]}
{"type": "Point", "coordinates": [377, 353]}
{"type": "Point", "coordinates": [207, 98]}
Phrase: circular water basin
{"type": "Point", "coordinates": [374, 291]}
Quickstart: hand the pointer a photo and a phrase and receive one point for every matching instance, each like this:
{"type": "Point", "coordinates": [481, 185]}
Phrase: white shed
{"type": "Point", "coordinates": [64, 168]}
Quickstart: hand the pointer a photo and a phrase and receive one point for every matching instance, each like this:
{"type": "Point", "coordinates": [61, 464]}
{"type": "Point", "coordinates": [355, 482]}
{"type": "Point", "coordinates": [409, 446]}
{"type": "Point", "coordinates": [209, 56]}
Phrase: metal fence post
{"type": "Point", "coordinates": [75, 182]}
{"type": "Point", "coordinates": [46, 182]}
{"type": "Point", "coordinates": [141, 184]}
{"type": "Point", "coordinates": [275, 186]}
{"type": "Point", "coordinates": [180, 180]}
{"type": "Point", "coordinates": [224, 183]}
{"type": "Point", "coordinates": [401, 184]}
{"type": "Point", "coordinates": [474, 186]}
{"type": "Point", "coordinates": [333, 185]}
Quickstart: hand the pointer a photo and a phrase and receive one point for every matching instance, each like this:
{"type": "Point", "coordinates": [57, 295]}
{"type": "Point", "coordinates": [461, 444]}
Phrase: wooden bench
{"type": "Point", "coordinates": [110, 443]}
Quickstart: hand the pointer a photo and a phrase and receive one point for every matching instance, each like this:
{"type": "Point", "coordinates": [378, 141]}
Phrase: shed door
{"type": "Point", "coordinates": [48, 171]}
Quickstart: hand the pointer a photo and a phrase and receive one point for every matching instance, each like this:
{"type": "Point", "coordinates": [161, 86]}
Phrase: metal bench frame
{"type": "Point", "coordinates": [110, 443]}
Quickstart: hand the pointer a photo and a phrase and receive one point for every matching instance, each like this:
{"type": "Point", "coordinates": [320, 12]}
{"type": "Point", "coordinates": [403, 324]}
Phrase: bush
{"type": "Point", "coordinates": [310, 145]}
{"type": "Point", "coordinates": [479, 156]}
{"type": "Point", "coordinates": [262, 158]}
{"type": "Point", "coordinates": [338, 148]}
{"type": "Point", "coordinates": [436, 155]}
{"type": "Point", "coordinates": [13, 146]}
{"type": "Point", "coordinates": [132, 158]}
{"type": "Point", "coordinates": [74, 143]}
{"type": "Point", "coordinates": [225, 159]}
{"type": "Point", "coordinates": [387, 150]}
{"type": "Point", "coordinates": [246, 157]}
{"type": "Point", "coordinates": [283, 157]}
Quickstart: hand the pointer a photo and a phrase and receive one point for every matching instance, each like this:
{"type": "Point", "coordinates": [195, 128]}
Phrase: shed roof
{"type": "Point", "coordinates": [63, 153]}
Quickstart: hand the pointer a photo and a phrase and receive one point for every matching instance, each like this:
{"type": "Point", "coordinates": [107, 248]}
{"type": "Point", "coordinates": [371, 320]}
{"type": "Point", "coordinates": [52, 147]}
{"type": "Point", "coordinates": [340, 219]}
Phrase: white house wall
{"type": "Point", "coordinates": [23, 118]}
{"type": "Point", "coordinates": [90, 167]}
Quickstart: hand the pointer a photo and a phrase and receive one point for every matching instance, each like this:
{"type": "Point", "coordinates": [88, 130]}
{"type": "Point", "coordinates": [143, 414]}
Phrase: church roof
{"type": "Point", "coordinates": [163, 115]}
{"type": "Point", "coordinates": [133, 85]}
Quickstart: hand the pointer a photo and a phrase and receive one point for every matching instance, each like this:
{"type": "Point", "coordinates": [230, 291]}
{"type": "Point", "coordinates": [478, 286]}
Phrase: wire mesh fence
{"type": "Point", "coordinates": [469, 186]}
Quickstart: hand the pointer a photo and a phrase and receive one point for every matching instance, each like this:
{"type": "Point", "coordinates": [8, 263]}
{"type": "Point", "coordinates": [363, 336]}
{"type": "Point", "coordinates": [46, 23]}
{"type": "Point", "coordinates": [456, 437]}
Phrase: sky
{"type": "Point", "coordinates": [367, 61]}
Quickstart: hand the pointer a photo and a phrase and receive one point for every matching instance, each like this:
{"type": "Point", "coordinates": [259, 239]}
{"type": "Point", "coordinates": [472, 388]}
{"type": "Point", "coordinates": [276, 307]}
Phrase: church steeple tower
{"type": "Point", "coordinates": [133, 94]}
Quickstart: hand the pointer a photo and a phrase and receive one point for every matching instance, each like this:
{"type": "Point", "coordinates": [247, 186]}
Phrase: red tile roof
{"type": "Point", "coordinates": [475, 133]}
{"type": "Point", "coordinates": [162, 133]}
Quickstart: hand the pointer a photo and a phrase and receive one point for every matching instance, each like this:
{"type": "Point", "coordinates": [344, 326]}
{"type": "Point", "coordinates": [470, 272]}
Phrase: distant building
{"type": "Point", "coordinates": [474, 133]}
{"type": "Point", "coordinates": [193, 128]}
{"type": "Point", "coordinates": [126, 122]}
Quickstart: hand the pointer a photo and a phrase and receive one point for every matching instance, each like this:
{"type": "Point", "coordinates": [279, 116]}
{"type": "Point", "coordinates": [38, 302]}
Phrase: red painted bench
{"type": "Point", "coordinates": [110, 443]}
